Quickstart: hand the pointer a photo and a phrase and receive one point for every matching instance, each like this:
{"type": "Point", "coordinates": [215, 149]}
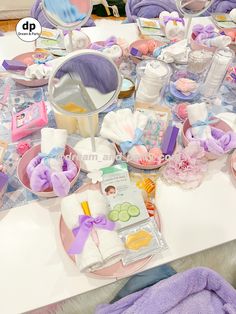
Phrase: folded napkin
{"type": "Point", "coordinates": [38, 71]}
{"type": "Point", "coordinates": [199, 120]}
{"type": "Point", "coordinates": [173, 52]}
{"type": "Point", "coordinates": [109, 248]}
{"type": "Point", "coordinates": [125, 129]}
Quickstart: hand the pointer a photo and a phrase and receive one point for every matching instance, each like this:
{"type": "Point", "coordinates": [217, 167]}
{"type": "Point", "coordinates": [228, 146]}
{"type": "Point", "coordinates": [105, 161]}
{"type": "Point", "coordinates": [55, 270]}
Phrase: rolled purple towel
{"type": "Point", "coordinates": [153, 8]}
{"type": "Point", "coordinates": [38, 14]}
{"type": "Point", "coordinates": [196, 291]}
{"type": "Point", "coordinates": [222, 6]}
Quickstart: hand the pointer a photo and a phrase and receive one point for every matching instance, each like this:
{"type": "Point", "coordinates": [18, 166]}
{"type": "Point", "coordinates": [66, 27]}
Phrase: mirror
{"type": "Point", "coordinates": [83, 84]}
{"type": "Point", "coordinates": [67, 14]}
{"type": "Point", "coordinates": [193, 7]}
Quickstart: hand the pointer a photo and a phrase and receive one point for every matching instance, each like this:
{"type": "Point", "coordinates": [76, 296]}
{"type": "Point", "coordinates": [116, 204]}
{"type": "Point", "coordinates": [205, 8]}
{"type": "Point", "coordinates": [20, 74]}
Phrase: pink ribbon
{"type": "Point", "coordinates": [86, 225]}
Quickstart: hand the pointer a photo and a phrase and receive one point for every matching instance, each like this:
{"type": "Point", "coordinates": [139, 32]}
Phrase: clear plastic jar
{"type": "Point", "coordinates": [199, 61]}
{"type": "Point", "coordinates": [152, 77]}
{"type": "Point", "coordinates": [217, 72]}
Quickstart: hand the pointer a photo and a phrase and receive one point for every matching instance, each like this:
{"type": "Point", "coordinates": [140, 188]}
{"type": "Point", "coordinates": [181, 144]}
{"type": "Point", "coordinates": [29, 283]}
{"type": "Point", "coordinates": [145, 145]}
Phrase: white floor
{"type": "Point", "coordinates": [222, 259]}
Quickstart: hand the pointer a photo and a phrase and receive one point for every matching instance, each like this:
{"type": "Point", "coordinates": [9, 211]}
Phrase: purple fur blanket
{"type": "Point", "coordinates": [152, 8]}
{"type": "Point", "coordinates": [37, 13]}
{"type": "Point", "coordinates": [196, 291]}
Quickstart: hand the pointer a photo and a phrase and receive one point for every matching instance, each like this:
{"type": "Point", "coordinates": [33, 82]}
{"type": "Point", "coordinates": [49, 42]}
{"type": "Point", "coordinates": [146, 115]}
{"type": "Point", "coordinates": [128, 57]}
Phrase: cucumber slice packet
{"type": "Point", "coordinates": [134, 211]}
{"type": "Point", "coordinates": [124, 215]}
{"type": "Point", "coordinates": [117, 207]}
{"type": "Point", "coordinates": [125, 206]}
{"type": "Point", "coordinates": [114, 215]}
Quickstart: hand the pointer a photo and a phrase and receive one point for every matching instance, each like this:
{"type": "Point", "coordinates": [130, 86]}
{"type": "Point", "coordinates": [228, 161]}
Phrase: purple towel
{"type": "Point", "coordinates": [148, 8]}
{"type": "Point", "coordinates": [38, 14]}
{"type": "Point", "coordinates": [196, 291]}
{"type": "Point", "coordinates": [153, 8]}
{"type": "Point", "coordinates": [222, 6]}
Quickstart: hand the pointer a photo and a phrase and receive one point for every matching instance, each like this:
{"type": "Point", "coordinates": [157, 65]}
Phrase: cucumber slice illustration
{"type": "Point", "coordinates": [124, 216]}
{"type": "Point", "coordinates": [117, 207]}
{"type": "Point", "coordinates": [125, 206]}
{"type": "Point", "coordinates": [114, 215]}
{"type": "Point", "coordinates": [133, 211]}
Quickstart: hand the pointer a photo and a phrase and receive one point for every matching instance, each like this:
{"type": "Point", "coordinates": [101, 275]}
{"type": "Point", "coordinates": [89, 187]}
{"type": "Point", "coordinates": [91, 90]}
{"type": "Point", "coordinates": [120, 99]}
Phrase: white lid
{"type": "Point", "coordinates": [156, 69]}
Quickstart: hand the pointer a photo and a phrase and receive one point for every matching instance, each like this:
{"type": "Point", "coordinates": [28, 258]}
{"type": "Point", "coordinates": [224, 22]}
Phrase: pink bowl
{"type": "Point", "coordinates": [137, 165]}
{"type": "Point", "coordinates": [28, 156]}
{"type": "Point", "coordinates": [220, 124]}
{"type": "Point", "coordinates": [139, 43]}
{"type": "Point", "coordinates": [27, 58]}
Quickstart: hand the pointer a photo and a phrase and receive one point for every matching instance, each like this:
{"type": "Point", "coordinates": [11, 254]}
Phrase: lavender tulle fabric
{"type": "Point", "coordinates": [37, 13]}
{"type": "Point", "coordinates": [152, 8]}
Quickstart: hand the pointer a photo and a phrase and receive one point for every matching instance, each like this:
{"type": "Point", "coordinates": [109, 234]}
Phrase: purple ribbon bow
{"type": "Point", "coordinates": [111, 41]}
{"type": "Point", "coordinates": [86, 224]}
{"type": "Point", "coordinates": [174, 19]}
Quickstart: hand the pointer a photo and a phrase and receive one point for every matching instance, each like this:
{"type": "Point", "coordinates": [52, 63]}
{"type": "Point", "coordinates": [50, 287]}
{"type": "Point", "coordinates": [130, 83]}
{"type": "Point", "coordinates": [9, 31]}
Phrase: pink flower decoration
{"type": "Point", "coordinates": [187, 166]}
{"type": "Point", "coordinates": [22, 147]}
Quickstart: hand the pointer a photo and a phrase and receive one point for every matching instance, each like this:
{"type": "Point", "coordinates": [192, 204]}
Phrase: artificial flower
{"type": "Point", "coordinates": [187, 166]}
{"type": "Point", "coordinates": [23, 147]}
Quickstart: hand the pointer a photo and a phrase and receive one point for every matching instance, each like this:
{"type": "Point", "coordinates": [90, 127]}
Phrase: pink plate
{"type": "Point", "coordinates": [220, 124]}
{"type": "Point", "coordinates": [116, 270]}
{"type": "Point", "coordinates": [233, 161]}
{"type": "Point", "coordinates": [137, 165]}
{"type": "Point", "coordinates": [28, 60]}
{"type": "Point", "coordinates": [28, 156]}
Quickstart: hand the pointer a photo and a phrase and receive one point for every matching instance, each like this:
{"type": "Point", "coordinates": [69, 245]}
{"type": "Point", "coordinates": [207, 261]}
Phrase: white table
{"type": "Point", "coordinates": [34, 268]}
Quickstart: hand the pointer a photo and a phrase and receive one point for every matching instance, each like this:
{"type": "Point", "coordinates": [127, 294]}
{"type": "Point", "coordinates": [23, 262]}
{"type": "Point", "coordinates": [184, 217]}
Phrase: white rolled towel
{"type": "Point", "coordinates": [198, 113]}
{"type": "Point", "coordinates": [110, 248]}
{"type": "Point", "coordinates": [110, 245]}
{"type": "Point", "coordinates": [220, 42]}
{"type": "Point", "coordinates": [90, 258]}
{"type": "Point", "coordinates": [50, 139]}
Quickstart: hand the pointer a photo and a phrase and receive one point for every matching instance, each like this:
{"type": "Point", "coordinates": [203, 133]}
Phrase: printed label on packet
{"type": "Point", "coordinates": [115, 180]}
